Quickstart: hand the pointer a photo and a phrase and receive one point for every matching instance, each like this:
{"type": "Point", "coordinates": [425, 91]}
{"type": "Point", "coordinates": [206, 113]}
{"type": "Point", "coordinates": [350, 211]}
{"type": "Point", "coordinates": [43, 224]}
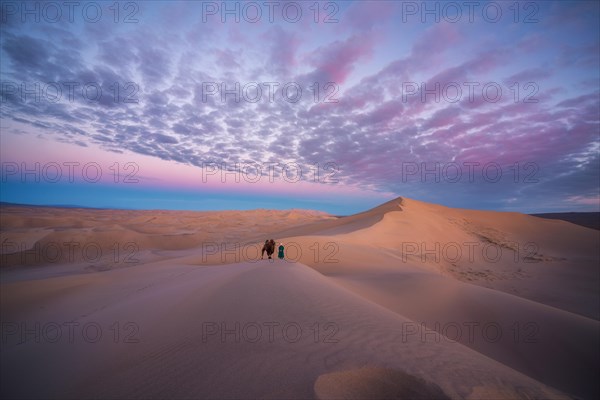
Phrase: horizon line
{"type": "Point", "coordinates": [75, 206]}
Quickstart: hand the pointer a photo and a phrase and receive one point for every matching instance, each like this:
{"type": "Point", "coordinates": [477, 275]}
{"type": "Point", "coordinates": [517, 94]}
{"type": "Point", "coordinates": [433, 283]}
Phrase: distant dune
{"type": "Point", "coordinates": [406, 300]}
{"type": "Point", "coordinates": [587, 219]}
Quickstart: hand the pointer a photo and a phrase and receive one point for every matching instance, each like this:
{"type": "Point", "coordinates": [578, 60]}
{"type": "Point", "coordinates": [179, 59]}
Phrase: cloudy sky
{"type": "Point", "coordinates": [335, 106]}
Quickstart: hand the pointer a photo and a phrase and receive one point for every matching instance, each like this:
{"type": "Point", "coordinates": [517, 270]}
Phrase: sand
{"type": "Point", "coordinates": [180, 305]}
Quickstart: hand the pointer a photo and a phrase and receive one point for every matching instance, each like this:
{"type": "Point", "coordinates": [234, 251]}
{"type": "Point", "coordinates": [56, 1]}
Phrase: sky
{"type": "Point", "coordinates": [335, 106]}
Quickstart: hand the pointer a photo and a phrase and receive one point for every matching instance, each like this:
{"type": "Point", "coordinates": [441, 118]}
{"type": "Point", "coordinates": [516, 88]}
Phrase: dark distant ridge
{"type": "Point", "coordinates": [5, 204]}
{"type": "Point", "coordinates": [587, 219]}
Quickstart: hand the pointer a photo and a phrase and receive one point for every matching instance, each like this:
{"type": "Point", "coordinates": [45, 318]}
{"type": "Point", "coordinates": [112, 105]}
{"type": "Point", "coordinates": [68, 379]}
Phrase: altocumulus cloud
{"type": "Point", "coordinates": [378, 92]}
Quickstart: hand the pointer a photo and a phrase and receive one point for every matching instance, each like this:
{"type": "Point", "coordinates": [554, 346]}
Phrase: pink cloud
{"type": "Point", "coordinates": [431, 46]}
{"type": "Point", "coordinates": [579, 101]}
{"type": "Point", "coordinates": [585, 200]}
{"type": "Point", "coordinates": [531, 43]}
{"type": "Point", "coordinates": [383, 114]}
{"type": "Point", "coordinates": [360, 97]}
{"type": "Point", "coordinates": [445, 117]}
{"type": "Point", "coordinates": [530, 134]}
{"type": "Point", "coordinates": [226, 58]}
{"type": "Point", "coordinates": [282, 56]}
{"type": "Point", "coordinates": [531, 74]}
{"type": "Point", "coordinates": [466, 72]}
{"type": "Point", "coordinates": [335, 61]}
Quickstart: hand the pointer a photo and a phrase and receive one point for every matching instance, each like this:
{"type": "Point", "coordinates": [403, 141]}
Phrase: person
{"type": "Point", "coordinates": [280, 254]}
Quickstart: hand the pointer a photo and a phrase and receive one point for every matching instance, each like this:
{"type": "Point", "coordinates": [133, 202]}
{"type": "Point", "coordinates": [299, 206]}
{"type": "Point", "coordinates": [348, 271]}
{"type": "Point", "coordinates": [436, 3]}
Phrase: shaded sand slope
{"type": "Point", "coordinates": [553, 262]}
{"type": "Point", "coordinates": [548, 344]}
{"type": "Point", "coordinates": [322, 337]}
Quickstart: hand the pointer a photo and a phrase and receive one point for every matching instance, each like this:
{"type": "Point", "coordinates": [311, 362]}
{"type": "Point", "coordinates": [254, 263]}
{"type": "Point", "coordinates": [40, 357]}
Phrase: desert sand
{"type": "Point", "coordinates": [407, 300]}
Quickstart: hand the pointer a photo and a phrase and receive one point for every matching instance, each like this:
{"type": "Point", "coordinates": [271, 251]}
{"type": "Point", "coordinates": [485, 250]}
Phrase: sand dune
{"type": "Point", "coordinates": [375, 305]}
{"type": "Point", "coordinates": [42, 236]}
{"type": "Point", "coordinates": [182, 350]}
